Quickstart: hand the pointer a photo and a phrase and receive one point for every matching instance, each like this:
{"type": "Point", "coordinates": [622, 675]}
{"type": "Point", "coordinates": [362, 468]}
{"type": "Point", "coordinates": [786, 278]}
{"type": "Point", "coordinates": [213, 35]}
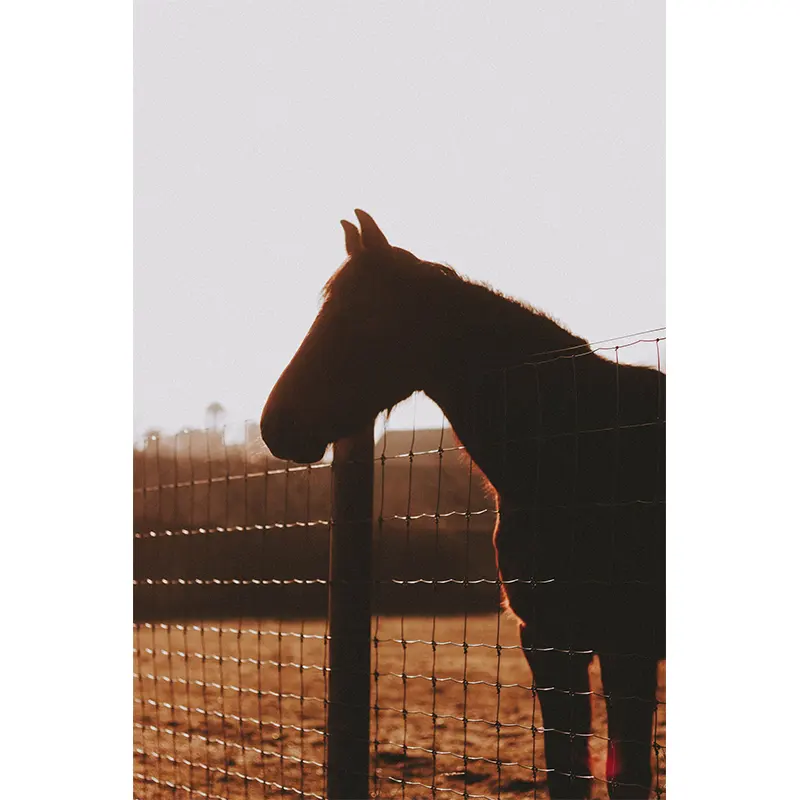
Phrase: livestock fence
{"type": "Point", "coordinates": [334, 630]}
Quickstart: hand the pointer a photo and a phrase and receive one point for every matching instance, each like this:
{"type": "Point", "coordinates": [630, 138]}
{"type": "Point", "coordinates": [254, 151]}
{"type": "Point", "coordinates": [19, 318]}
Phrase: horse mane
{"type": "Point", "coordinates": [483, 292]}
{"type": "Point", "coordinates": [531, 309]}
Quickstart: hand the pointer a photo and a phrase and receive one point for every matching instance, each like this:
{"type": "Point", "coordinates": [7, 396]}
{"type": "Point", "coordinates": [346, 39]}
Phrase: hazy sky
{"type": "Point", "coordinates": [522, 143]}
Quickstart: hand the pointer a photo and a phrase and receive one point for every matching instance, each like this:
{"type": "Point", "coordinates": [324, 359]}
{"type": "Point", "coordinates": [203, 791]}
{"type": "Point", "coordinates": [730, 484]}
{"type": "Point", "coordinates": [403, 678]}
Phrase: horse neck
{"type": "Point", "coordinates": [477, 383]}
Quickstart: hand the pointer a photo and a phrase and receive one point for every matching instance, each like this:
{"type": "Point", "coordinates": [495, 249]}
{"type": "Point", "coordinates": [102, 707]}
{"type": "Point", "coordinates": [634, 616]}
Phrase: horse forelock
{"type": "Point", "coordinates": [328, 287]}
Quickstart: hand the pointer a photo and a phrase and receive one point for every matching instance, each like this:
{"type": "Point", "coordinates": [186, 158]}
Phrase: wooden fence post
{"type": "Point", "coordinates": [349, 619]}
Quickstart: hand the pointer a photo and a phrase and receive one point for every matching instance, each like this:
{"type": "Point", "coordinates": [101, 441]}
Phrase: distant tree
{"type": "Point", "coordinates": [213, 412]}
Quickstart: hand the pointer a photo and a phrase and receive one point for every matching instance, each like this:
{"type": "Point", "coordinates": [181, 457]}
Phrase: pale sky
{"type": "Point", "coordinates": [521, 143]}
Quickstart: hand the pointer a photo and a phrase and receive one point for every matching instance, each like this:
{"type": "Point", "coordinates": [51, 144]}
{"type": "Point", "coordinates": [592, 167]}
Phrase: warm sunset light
{"type": "Point", "coordinates": [400, 393]}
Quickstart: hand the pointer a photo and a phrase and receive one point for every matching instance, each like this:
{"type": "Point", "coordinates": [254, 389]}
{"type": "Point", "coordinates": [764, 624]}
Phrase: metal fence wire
{"type": "Point", "coordinates": [236, 660]}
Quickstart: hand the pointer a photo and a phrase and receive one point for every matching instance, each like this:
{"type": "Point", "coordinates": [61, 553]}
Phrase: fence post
{"type": "Point", "coordinates": [349, 619]}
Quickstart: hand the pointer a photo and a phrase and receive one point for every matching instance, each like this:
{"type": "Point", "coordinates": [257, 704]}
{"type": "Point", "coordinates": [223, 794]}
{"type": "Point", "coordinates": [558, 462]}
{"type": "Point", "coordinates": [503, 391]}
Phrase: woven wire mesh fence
{"type": "Point", "coordinates": [232, 650]}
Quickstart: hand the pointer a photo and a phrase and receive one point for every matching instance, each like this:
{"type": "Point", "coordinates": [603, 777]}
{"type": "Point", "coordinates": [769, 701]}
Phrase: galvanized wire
{"type": "Point", "coordinates": [235, 705]}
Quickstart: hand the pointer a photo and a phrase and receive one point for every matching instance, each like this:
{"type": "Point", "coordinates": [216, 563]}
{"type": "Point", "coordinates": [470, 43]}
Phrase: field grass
{"type": "Point", "coordinates": [235, 709]}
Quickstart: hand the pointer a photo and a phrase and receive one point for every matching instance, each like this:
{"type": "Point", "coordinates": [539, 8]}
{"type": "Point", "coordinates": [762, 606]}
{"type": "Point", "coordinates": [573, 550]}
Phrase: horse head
{"type": "Point", "coordinates": [368, 349]}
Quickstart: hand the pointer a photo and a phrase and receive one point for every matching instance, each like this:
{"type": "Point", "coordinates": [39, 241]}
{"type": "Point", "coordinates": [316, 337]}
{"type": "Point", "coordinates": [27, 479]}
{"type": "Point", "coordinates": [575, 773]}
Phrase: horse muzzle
{"type": "Point", "coordinates": [288, 440]}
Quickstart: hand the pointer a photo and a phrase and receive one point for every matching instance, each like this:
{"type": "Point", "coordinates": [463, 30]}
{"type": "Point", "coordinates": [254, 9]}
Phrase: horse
{"type": "Point", "coordinates": [572, 445]}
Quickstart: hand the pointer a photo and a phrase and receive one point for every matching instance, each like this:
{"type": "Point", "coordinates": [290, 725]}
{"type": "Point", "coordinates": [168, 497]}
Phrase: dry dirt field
{"type": "Point", "coordinates": [235, 709]}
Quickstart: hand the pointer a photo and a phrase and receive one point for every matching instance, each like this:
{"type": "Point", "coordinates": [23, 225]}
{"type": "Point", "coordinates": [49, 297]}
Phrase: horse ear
{"type": "Point", "coordinates": [352, 238]}
{"type": "Point", "coordinates": [371, 235]}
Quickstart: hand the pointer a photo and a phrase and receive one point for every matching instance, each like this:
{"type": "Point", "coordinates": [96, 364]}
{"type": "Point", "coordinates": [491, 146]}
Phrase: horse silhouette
{"type": "Point", "coordinates": [572, 444]}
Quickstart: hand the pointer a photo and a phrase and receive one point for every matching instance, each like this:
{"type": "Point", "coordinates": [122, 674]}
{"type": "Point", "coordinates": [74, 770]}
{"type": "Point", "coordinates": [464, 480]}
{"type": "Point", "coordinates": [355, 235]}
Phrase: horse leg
{"type": "Point", "coordinates": [630, 687]}
{"type": "Point", "coordinates": [562, 686]}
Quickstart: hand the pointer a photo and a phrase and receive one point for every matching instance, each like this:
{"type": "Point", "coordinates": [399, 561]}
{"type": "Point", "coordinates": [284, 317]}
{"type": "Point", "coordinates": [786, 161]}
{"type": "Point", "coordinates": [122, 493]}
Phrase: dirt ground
{"type": "Point", "coordinates": [235, 709]}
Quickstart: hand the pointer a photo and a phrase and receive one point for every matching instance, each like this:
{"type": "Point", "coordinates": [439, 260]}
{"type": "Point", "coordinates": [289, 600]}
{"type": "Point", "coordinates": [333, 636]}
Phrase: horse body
{"type": "Point", "coordinates": [573, 446]}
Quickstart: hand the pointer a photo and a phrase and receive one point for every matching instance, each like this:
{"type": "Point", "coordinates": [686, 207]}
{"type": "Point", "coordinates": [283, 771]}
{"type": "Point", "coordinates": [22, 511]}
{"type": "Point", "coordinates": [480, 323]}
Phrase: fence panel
{"type": "Point", "coordinates": [235, 693]}
{"type": "Point", "coordinates": [230, 592]}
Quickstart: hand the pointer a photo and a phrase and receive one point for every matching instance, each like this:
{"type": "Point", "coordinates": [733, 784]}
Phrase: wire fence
{"type": "Point", "coordinates": [232, 638]}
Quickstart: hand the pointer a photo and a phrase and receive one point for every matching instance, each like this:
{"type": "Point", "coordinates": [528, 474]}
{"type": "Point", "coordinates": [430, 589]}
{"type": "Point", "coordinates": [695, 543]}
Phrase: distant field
{"type": "Point", "coordinates": [216, 717]}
